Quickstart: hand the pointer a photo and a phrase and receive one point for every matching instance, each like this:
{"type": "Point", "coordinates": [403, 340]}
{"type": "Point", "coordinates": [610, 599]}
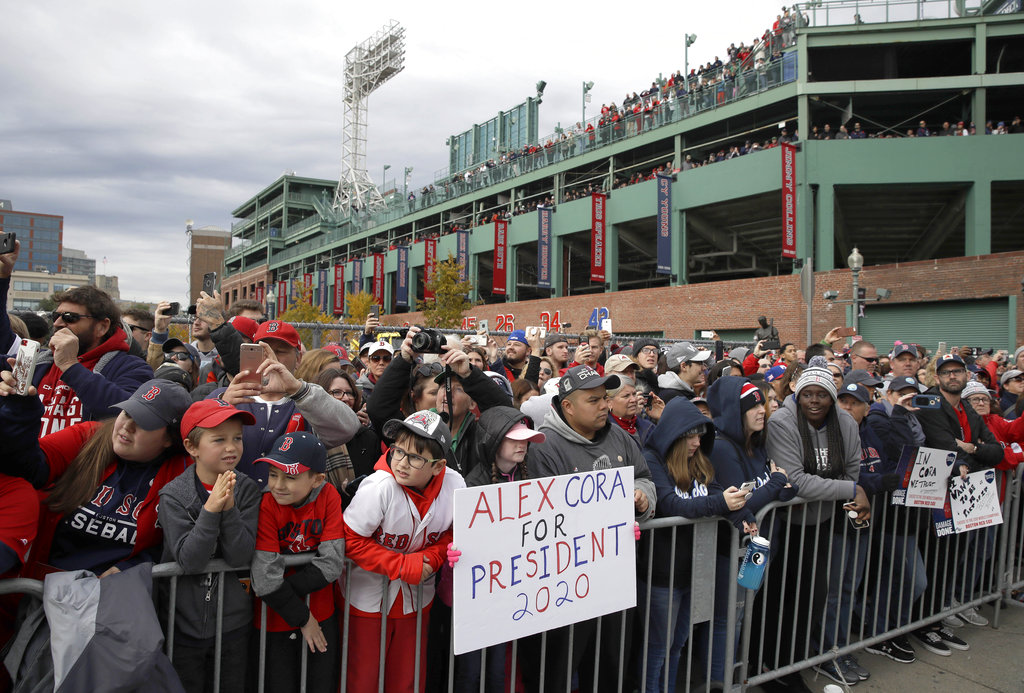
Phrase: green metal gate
{"type": "Point", "coordinates": [983, 323]}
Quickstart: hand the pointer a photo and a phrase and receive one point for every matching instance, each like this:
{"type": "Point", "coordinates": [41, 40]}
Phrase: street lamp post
{"type": "Point", "coordinates": [587, 86]}
{"type": "Point", "coordinates": [689, 40]}
{"type": "Point", "coordinates": [856, 263]}
{"type": "Point", "coordinates": [271, 303]}
{"type": "Point", "coordinates": [405, 181]}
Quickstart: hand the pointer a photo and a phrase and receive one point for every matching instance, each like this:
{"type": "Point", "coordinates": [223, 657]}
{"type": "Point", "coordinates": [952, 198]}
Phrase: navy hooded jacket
{"type": "Point", "coordinates": [680, 416]}
{"type": "Point", "coordinates": [733, 465]}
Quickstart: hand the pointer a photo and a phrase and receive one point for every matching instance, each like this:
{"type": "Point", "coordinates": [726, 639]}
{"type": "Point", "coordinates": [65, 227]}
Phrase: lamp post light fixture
{"type": "Point", "coordinates": [587, 86]}
{"type": "Point", "coordinates": [856, 263]}
{"type": "Point", "coordinates": [688, 40]}
{"type": "Point", "coordinates": [383, 178]}
{"type": "Point", "coordinates": [271, 302]}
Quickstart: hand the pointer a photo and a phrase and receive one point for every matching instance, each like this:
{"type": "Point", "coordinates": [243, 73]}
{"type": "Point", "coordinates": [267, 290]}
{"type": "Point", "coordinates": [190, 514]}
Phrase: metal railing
{"type": "Point", "coordinates": [845, 12]}
{"type": "Point", "coordinates": [855, 590]}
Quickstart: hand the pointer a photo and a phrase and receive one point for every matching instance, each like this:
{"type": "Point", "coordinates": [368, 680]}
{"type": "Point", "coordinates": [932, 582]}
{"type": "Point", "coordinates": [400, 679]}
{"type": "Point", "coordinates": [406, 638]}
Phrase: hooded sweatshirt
{"type": "Point", "coordinates": [567, 452]}
{"type": "Point", "coordinates": [491, 429]}
{"type": "Point", "coordinates": [680, 416]}
{"type": "Point", "coordinates": [733, 465]}
{"type": "Point", "coordinates": [785, 446]}
{"type": "Point", "coordinates": [671, 386]}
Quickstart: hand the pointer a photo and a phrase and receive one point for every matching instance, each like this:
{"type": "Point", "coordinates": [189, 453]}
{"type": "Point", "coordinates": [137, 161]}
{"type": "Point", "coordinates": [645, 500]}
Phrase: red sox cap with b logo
{"type": "Point", "coordinates": [275, 329]}
{"type": "Point", "coordinates": [157, 404]}
{"type": "Point", "coordinates": [298, 452]}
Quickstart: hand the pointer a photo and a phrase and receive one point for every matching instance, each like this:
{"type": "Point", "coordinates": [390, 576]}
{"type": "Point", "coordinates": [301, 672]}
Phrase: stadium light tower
{"type": "Point", "coordinates": [367, 66]}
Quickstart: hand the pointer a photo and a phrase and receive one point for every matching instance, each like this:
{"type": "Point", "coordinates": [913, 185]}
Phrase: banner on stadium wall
{"type": "Point", "coordinates": [322, 303]}
{"type": "Point", "coordinates": [924, 473]}
{"type": "Point", "coordinates": [500, 257]}
{"type": "Point", "coordinates": [541, 554]}
{"type": "Point", "coordinates": [402, 278]}
{"type": "Point", "coordinates": [543, 248]}
{"type": "Point", "coordinates": [378, 278]}
{"type": "Point", "coordinates": [598, 201]}
{"type": "Point", "coordinates": [357, 276]}
{"type": "Point", "coordinates": [339, 289]}
{"type": "Point", "coordinates": [282, 297]}
{"type": "Point", "coordinates": [788, 200]}
{"type": "Point", "coordinates": [462, 253]}
{"type": "Point", "coordinates": [664, 216]}
{"type": "Point", "coordinates": [307, 287]}
{"type": "Point", "coordinates": [429, 264]}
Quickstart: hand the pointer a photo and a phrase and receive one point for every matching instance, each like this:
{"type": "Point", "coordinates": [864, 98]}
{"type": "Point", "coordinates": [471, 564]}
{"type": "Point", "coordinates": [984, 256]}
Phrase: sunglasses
{"type": "Point", "coordinates": [177, 356]}
{"type": "Point", "coordinates": [378, 358]}
{"type": "Point", "coordinates": [68, 317]}
{"type": "Point", "coordinates": [428, 369]}
{"type": "Point", "coordinates": [869, 359]}
{"type": "Point", "coordinates": [134, 328]}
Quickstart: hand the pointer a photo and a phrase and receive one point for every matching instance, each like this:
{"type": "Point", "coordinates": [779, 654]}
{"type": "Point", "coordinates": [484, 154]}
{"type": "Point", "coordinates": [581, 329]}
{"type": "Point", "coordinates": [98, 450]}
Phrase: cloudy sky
{"type": "Point", "coordinates": [128, 118]}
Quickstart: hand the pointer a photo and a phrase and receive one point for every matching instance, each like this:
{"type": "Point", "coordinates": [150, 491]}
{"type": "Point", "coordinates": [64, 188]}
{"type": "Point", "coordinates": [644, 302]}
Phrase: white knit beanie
{"type": "Point", "coordinates": [822, 377]}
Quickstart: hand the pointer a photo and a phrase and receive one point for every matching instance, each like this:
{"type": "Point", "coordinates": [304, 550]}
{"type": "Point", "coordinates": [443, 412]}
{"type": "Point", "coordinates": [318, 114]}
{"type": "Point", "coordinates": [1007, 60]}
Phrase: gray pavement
{"type": "Point", "coordinates": [995, 663]}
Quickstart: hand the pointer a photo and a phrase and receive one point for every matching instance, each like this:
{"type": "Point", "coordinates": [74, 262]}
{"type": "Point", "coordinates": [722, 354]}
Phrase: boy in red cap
{"type": "Point", "coordinates": [207, 512]}
{"type": "Point", "coordinates": [299, 514]}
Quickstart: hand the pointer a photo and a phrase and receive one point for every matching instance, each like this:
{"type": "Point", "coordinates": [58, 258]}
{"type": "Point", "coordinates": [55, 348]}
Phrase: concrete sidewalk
{"type": "Point", "coordinates": [995, 662]}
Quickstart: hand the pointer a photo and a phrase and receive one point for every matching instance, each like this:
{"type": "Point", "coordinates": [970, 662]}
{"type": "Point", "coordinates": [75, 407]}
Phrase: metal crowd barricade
{"type": "Point", "coordinates": [974, 568]}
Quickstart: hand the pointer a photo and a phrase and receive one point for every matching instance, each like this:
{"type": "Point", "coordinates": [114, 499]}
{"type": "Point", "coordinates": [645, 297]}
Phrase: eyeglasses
{"type": "Point", "coordinates": [397, 454]}
{"type": "Point", "coordinates": [377, 358]}
{"type": "Point", "coordinates": [177, 356]}
{"type": "Point", "coordinates": [133, 328]}
{"type": "Point", "coordinates": [978, 399]}
{"type": "Point", "coordinates": [341, 394]}
{"type": "Point", "coordinates": [952, 371]}
{"type": "Point", "coordinates": [545, 371]}
{"type": "Point", "coordinates": [649, 350]}
{"type": "Point", "coordinates": [1015, 379]}
{"type": "Point", "coordinates": [68, 317]}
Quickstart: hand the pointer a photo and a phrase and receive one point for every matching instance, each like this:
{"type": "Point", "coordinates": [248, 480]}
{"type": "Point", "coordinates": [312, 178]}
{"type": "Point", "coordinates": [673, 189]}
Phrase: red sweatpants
{"type": "Point", "coordinates": [399, 648]}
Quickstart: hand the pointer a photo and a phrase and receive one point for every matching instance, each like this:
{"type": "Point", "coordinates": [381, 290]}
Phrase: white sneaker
{"type": "Point", "coordinates": [973, 617]}
{"type": "Point", "coordinates": [952, 621]}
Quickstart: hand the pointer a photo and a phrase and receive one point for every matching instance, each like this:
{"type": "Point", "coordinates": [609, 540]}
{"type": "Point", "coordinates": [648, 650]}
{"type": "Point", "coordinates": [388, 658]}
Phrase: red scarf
{"type": "Point", "coordinates": [628, 425]}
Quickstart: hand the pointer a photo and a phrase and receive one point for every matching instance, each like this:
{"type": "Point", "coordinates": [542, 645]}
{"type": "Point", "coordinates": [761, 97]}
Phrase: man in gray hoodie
{"type": "Point", "coordinates": [580, 439]}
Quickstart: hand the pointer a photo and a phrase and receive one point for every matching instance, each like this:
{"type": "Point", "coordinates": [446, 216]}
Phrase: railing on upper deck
{"type": "Point", "coordinates": [843, 12]}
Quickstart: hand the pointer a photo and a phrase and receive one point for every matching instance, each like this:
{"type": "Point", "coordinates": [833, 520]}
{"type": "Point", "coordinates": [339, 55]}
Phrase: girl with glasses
{"type": "Point", "coordinates": [356, 457]}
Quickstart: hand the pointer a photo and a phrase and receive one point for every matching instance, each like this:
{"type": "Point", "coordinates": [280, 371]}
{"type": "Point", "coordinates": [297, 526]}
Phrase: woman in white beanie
{"type": "Point", "coordinates": [818, 445]}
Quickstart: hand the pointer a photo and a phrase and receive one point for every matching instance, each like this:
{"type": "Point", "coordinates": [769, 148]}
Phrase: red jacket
{"type": "Point", "coordinates": [60, 449]}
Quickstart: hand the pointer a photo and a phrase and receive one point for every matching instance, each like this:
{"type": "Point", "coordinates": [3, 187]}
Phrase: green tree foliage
{"type": "Point", "coordinates": [451, 296]}
{"type": "Point", "coordinates": [358, 307]}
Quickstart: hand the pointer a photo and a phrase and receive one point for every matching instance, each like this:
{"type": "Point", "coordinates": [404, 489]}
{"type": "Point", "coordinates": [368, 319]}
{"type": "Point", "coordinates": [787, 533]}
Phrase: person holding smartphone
{"type": "Point", "coordinates": [818, 446]}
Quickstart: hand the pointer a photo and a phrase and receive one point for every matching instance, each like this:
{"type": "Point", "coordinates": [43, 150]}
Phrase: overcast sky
{"type": "Point", "coordinates": [128, 118]}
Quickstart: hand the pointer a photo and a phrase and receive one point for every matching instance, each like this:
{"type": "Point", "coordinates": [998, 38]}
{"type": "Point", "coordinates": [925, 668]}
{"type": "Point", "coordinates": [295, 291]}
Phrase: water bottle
{"type": "Point", "coordinates": [754, 562]}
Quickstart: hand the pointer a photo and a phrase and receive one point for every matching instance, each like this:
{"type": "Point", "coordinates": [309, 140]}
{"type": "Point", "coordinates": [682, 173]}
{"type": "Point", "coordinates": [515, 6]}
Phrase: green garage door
{"type": "Point", "coordinates": [983, 323]}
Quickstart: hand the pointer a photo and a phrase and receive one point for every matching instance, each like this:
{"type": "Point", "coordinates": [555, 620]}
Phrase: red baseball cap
{"type": "Point", "coordinates": [246, 326]}
{"type": "Point", "coordinates": [275, 329]}
{"type": "Point", "coordinates": [207, 413]}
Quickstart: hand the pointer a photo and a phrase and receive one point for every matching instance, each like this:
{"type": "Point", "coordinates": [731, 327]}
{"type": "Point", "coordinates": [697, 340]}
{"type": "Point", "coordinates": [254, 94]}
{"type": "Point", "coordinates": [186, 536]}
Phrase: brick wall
{"type": "Point", "coordinates": [678, 311]}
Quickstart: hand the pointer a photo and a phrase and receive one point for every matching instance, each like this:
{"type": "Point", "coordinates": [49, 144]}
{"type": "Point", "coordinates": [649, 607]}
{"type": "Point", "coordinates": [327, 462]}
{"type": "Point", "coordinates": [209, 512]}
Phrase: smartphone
{"type": "Point", "coordinates": [719, 350]}
{"type": "Point", "coordinates": [846, 331]}
{"type": "Point", "coordinates": [374, 312]}
{"type": "Point", "coordinates": [250, 356]}
{"type": "Point", "coordinates": [852, 514]}
{"type": "Point", "coordinates": [771, 345]}
{"type": "Point", "coordinates": [7, 242]}
{"type": "Point", "coordinates": [606, 325]}
{"type": "Point", "coordinates": [539, 331]}
{"type": "Point", "coordinates": [747, 486]}
{"type": "Point", "coordinates": [174, 309]}
{"type": "Point", "coordinates": [477, 339]}
{"type": "Point", "coordinates": [25, 366]}
{"type": "Point", "coordinates": [942, 349]}
{"type": "Point", "coordinates": [926, 401]}
{"type": "Point", "coordinates": [210, 283]}
{"type": "Point", "coordinates": [481, 325]}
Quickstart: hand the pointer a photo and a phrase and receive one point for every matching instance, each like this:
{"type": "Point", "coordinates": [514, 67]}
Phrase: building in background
{"type": "Point", "coordinates": [77, 262]}
{"type": "Point", "coordinates": [207, 245]}
{"type": "Point", "coordinates": [41, 236]}
{"type": "Point", "coordinates": [108, 284]}
{"type": "Point", "coordinates": [28, 288]}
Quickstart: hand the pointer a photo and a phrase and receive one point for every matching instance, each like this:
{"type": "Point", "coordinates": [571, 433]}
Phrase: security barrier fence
{"type": "Point", "coordinates": [829, 590]}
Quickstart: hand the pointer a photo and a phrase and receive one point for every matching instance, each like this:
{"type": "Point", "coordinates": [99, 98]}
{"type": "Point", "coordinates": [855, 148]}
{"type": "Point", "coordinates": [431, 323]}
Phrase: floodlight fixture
{"type": "Point", "coordinates": [830, 295]}
{"type": "Point", "coordinates": [367, 66]}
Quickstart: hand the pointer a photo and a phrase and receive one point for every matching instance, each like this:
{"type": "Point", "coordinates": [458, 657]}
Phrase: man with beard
{"type": "Point", "coordinates": [88, 368]}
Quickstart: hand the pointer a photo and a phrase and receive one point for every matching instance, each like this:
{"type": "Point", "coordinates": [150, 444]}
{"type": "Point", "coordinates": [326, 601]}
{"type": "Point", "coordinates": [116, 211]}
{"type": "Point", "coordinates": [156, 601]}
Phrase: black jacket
{"type": "Point", "coordinates": [386, 403]}
{"type": "Point", "coordinates": [942, 428]}
{"type": "Point", "coordinates": [490, 434]}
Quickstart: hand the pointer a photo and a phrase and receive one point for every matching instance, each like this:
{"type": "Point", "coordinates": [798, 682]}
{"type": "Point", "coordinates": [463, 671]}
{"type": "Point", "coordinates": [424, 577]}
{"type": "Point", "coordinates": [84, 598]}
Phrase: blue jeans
{"type": "Point", "coordinates": [902, 579]}
{"type": "Point", "coordinates": [661, 621]}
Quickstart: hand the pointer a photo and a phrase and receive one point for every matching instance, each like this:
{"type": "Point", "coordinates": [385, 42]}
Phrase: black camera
{"type": "Point", "coordinates": [428, 341]}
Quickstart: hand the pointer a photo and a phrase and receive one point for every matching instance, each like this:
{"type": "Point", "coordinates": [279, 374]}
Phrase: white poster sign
{"type": "Point", "coordinates": [924, 476]}
{"type": "Point", "coordinates": [542, 553]}
{"type": "Point", "coordinates": [974, 501]}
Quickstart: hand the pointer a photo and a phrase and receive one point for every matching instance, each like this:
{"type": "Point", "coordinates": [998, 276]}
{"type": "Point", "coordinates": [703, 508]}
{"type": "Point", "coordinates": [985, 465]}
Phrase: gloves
{"type": "Point", "coordinates": [636, 531]}
{"type": "Point", "coordinates": [453, 555]}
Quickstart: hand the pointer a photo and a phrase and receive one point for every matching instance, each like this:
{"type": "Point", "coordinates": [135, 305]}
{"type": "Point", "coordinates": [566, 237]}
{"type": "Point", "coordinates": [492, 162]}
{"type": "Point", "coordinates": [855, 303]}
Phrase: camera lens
{"type": "Point", "coordinates": [428, 342]}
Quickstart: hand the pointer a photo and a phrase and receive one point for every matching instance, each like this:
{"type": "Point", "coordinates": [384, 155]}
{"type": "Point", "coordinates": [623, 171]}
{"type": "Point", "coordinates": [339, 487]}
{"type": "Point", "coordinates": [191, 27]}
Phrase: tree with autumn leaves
{"type": "Point", "coordinates": [451, 296]}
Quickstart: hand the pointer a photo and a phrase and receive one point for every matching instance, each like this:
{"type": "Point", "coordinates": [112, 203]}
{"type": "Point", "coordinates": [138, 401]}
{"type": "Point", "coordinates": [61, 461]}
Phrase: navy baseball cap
{"type": "Point", "coordinates": [297, 452]}
{"type": "Point", "coordinates": [904, 349]}
{"type": "Point", "coordinates": [902, 383]}
{"type": "Point", "coordinates": [946, 359]}
{"type": "Point", "coordinates": [861, 376]}
{"type": "Point", "coordinates": [157, 404]}
{"type": "Point", "coordinates": [855, 390]}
